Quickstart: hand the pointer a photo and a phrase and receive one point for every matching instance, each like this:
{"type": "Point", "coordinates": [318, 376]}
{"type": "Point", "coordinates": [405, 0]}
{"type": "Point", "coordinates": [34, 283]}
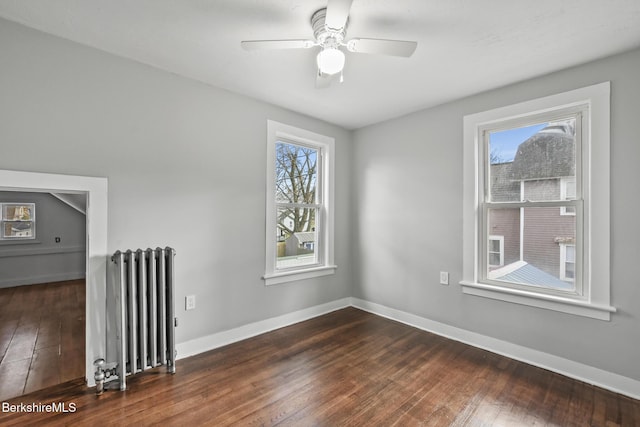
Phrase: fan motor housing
{"type": "Point", "coordinates": [325, 36]}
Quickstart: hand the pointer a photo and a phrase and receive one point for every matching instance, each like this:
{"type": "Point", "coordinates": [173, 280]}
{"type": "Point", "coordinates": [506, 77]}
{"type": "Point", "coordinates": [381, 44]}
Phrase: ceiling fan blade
{"type": "Point", "coordinates": [277, 44]}
{"type": "Point", "coordinates": [382, 47]}
{"type": "Point", "coordinates": [337, 13]}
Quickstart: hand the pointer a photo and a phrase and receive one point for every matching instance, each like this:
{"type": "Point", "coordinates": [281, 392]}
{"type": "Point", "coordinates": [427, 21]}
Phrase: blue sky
{"type": "Point", "coordinates": [505, 143]}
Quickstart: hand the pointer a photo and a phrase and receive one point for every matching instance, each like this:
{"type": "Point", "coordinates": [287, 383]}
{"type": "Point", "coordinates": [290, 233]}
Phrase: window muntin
{"type": "Point", "coordinates": [299, 204]}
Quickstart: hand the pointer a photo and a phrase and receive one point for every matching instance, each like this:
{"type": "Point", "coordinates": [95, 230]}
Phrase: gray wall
{"type": "Point", "coordinates": [408, 173]}
{"type": "Point", "coordinates": [185, 163]}
{"type": "Point", "coordinates": [42, 260]}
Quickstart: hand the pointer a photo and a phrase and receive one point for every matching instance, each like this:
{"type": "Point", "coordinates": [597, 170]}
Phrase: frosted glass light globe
{"type": "Point", "coordinates": [330, 61]}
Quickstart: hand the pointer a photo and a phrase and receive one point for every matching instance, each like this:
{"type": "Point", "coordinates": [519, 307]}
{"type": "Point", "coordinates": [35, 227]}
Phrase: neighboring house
{"type": "Point", "coordinates": [302, 242]}
{"type": "Point", "coordinates": [539, 238]}
{"type": "Point", "coordinates": [285, 223]}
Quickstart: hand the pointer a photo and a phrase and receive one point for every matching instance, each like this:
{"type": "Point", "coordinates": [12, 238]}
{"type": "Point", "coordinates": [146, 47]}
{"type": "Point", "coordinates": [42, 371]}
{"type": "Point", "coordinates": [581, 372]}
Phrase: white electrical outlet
{"type": "Point", "coordinates": [189, 302]}
{"type": "Point", "coordinates": [444, 278]}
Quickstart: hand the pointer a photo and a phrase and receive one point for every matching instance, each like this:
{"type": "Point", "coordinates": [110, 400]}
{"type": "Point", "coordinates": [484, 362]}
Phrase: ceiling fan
{"type": "Point", "coordinates": [329, 30]}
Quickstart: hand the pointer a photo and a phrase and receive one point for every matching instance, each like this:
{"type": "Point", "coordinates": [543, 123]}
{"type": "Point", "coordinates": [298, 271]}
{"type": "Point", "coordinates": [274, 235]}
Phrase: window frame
{"type": "Point", "coordinates": [324, 265]}
{"type": "Point", "coordinates": [579, 112]}
{"type": "Point", "coordinates": [5, 220]}
{"type": "Point", "coordinates": [315, 205]}
{"type": "Point", "coordinates": [594, 230]}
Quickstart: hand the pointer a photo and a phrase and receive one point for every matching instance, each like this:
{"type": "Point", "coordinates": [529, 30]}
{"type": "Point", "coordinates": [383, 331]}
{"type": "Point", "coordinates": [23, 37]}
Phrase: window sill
{"type": "Point", "coordinates": [532, 299]}
{"type": "Point", "coordinates": [290, 276]}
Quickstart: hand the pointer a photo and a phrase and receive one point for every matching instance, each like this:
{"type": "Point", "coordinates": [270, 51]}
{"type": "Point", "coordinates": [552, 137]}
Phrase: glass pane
{"type": "Point", "coordinates": [494, 259]}
{"type": "Point", "coordinates": [296, 237]}
{"type": "Point", "coordinates": [532, 246]}
{"type": "Point", "coordinates": [569, 189]}
{"type": "Point", "coordinates": [18, 212]}
{"type": "Point", "coordinates": [17, 229]}
{"type": "Point", "coordinates": [571, 254]}
{"type": "Point", "coordinates": [570, 270]}
{"type": "Point", "coordinates": [296, 173]}
{"type": "Point", "coordinates": [494, 245]}
{"type": "Point", "coordinates": [529, 163]}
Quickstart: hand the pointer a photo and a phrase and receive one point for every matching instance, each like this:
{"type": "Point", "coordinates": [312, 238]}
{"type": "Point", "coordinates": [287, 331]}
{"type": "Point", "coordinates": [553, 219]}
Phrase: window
{"type": "Point", "coordinates": [18, 221]}
{"type": "Point", "coordinates": [537, 174]}
{"type": "Point", "coordinates": [567, 192]}
{"type": "Point", "coordinates": [496, 251]}
{"type": "Point", "coordinates": [567, 262]}
{"type": "Point", "coordinates": [299, 239]}
{"type": "Point", "coordinates": [298, 202]}
{"type": "Point", "coordinates": [524, 163]}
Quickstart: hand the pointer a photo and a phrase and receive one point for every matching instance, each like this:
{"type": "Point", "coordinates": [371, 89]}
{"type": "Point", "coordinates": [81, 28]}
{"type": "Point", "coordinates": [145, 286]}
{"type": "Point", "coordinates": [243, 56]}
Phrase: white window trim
{"type": "Point", "coordinates": [278, 131]}
{"type": "Point", "coordinates": [595, 163]}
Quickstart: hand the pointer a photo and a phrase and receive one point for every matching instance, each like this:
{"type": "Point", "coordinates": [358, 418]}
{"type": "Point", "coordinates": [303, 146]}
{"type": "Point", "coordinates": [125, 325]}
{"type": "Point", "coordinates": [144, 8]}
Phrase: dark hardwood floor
{"type": "Point", "coordinates": [42, 336]}
{"type": "Point", "coordinates": [348, 368]}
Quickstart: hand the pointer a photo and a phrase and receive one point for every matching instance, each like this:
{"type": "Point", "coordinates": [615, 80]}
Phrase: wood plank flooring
{"type": "Point", "coordinates": [346, 368]}
{"type": "Point", "coordinates": [42, 336]}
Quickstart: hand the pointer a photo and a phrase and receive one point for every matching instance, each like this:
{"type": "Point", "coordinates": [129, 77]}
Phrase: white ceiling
{"type": "Point", "coordinates": [464, 46]}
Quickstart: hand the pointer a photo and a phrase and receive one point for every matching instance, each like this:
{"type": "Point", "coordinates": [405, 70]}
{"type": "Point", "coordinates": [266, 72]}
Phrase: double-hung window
{"type": "Point", "coordinates": [18, 221]}
{"type": "Point", "coordinates": [537, 175]}
{"type": "Point", "coordinates": [299, 228]}
{"type": "Point", "coordinates": [534, 155]}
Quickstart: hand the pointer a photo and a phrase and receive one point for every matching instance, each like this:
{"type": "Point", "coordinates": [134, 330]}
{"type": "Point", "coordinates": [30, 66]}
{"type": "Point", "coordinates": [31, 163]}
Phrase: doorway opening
{"type": "Point", "coordinates": [94, 191]}
{"type": "Point", "coordinates": [42, 290]}
{"type": "Point", "coordinates": [43, 337]}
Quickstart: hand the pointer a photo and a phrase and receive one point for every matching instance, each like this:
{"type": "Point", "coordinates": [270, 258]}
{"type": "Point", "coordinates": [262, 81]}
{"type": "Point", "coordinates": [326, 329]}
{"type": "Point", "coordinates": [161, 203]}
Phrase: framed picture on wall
{"type": "Point", "coordinates": [18, 221]}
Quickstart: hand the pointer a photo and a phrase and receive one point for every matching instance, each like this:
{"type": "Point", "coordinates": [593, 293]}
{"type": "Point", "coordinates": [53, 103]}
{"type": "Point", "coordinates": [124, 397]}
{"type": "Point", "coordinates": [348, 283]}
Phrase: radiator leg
{"type": "Point", "coordinates": [171, 365]}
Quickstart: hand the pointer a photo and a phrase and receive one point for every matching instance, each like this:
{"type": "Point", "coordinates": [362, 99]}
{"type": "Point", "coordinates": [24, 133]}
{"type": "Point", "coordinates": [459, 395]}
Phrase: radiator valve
{"type": "Point", "coordinates": [99, 375]}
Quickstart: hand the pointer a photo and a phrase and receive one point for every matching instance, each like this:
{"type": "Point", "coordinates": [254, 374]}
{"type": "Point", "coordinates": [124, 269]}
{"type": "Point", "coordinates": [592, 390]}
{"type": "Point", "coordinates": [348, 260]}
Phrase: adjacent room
{"type": "Point", "coordinates": [42, 291]}
{"type": "Point", "coordinates": [379, 213]}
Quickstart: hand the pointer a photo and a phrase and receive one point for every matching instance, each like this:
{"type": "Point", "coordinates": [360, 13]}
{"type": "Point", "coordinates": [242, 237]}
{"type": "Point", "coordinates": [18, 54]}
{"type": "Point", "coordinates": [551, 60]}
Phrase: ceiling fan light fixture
{"type": "Point", "coordinates": [330, 60]}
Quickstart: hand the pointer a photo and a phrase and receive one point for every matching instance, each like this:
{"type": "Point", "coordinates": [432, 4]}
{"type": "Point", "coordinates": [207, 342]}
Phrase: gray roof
{"type": "Point", "coordinates": [550, 153]}
{"type": "Point", "coordinates": [503, 188]}
{"type": "Point", "coordinates": [526, 274]}
{"type": "Point", "coordinates": [305, 236]}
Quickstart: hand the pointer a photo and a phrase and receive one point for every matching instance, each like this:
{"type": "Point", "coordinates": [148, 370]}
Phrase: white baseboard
{"type": "Point", "coordinates": [588, 374]}
{"type": "Point", "coordinates": [210, 342]}
{"type": "Point", "coordinates": [45, 278]}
